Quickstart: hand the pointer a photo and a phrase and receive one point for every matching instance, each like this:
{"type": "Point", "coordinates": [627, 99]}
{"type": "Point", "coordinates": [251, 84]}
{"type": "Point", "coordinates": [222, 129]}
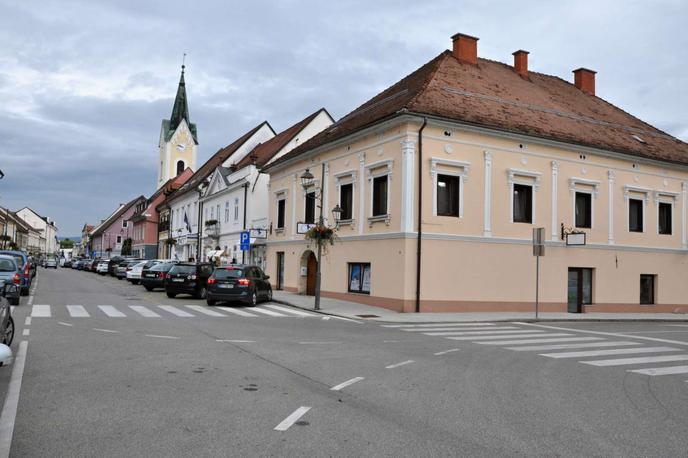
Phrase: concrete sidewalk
{"type": "Point", "coordinates": [362, 312]}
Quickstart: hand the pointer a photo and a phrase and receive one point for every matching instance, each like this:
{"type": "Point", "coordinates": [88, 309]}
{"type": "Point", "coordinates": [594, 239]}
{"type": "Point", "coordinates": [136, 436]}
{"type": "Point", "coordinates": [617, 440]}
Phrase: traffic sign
{"type": "Point", "coordinates": [258, 233]}
{"type": "Point", "coordinates": [245, 240]}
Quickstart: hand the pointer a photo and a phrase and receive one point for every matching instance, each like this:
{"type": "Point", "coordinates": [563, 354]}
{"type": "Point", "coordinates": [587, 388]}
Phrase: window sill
{"type": "Point", "coordinates": [363, 293]}
{"type": "Point", "coordinates": [279, 230]}
{"type": "Point", "coordinates": [379, 218]}
{"type": "Point", "coordinates": [346, 222]}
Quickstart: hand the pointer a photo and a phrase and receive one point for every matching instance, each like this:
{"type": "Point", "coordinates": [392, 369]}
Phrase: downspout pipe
{"type": "Point", "coordinates": [243, 253]}
{"type": "Point", "coordinates": [419, 248]}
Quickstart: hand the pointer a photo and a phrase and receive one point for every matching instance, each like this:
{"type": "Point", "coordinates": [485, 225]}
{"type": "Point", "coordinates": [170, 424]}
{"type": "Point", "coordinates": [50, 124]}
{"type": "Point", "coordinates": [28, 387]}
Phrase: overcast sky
{"type": "Point", "coordinates": [85, 84]}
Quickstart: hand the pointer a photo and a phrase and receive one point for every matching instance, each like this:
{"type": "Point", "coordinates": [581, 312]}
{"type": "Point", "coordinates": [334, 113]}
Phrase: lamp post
{"type": "Point", "coordinates": [307, 181]}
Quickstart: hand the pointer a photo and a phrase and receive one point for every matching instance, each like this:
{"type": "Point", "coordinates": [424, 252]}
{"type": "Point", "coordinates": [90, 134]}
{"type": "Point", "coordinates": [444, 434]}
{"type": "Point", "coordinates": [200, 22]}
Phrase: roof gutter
{"type": "Point", "coordinates": [419, 250]}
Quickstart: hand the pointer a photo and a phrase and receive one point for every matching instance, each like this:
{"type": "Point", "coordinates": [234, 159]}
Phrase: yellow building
{"type": "Point", "coordinates": [443, 176]}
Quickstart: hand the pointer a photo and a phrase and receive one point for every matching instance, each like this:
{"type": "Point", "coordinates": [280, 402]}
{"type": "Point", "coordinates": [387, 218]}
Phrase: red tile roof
{"type": "Point", "coordinates": [491, 94]}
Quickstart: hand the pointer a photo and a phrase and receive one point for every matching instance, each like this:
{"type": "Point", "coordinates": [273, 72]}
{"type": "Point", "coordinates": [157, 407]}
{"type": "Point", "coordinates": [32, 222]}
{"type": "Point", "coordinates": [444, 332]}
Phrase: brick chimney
{"type": "Point", "coordinates": [521, 62]}
{"type": "Point", "coordinates": [584, 80]}
{"type": "Point", "coordinates": [465, 48]}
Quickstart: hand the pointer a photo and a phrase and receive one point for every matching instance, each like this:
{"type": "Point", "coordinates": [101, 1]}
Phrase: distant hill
{"type": "Point", "coordinates": [75, 238]}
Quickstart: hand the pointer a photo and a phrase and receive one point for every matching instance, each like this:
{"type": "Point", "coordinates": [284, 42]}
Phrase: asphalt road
{"type": "Point", "coordinates": [138, 379]}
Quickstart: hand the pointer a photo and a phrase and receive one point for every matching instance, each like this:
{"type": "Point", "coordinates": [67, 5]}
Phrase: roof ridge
{"type": "Point", "coordinates": [429, 77]}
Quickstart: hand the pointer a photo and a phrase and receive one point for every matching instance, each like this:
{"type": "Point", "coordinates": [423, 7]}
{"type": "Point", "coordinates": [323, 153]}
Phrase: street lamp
{"type": "Point", "coordinates": [307, 182]}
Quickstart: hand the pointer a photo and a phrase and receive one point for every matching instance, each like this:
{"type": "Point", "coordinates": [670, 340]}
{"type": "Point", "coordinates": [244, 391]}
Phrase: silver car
{"type": "Point", "coordinates": [50, 262]}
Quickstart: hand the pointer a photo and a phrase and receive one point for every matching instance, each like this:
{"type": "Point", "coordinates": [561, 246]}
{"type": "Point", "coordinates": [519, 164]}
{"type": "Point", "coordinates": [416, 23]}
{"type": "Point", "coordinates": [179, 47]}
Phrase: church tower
{"type": "Point", "coordinates": [178, 141]}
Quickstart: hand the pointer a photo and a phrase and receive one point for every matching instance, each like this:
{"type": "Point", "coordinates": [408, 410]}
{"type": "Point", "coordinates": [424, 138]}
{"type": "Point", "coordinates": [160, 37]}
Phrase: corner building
{"type": "Point", "coordinates": [474, 154]}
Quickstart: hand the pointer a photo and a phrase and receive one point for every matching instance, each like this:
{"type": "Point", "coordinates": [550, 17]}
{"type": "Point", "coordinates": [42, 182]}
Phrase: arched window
{"type": "Point", "coordinates": [180, 167]}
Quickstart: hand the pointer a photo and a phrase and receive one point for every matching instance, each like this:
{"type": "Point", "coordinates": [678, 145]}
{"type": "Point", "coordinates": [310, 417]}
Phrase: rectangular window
{"type": "Point", "coordinates": [583, 209]}
{"type": "Point", "coordinates": [346, 200]}
{"type": "Point", "coordinates": [448, 195]}
{"type": "Point", "coordinates": [125, 223]}
{"type": "Point", "coordinates": [523, 203]}
{"type": "Point", "coordinates": [280, 213]}
{"type": "Point", "coordinates": [226, 211]}
{"type": "Point", "coordinates": [665, 218]}
{"type": "Point", "coordinates": [380, 196]}
{"type": "Point", "coordinates": [359, 277]}
{"type": "Point", "coordinates": [635, 215]}
{"type": "Point", "coordinates": [309, 215]}
{"type": "Point", "coordinates": [236, 209]}
{"type": "Point", "coordinates": [119, 239]}
{"type": "Point", "coordinates": [647, 289]}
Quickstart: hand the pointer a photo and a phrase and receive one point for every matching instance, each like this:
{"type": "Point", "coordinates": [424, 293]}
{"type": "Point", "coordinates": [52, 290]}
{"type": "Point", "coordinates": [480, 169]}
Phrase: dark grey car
{"type": "Point", "coordinates": [11, 276]}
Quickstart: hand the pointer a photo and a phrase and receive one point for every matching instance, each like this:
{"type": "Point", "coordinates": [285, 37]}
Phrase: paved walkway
{"type": "Point", "coordinates": [355, 311]}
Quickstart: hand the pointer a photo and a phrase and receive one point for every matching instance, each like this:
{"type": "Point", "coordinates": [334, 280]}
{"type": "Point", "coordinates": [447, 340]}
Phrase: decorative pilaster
{"type": "Point", "coordinates": [408, 147]}
{"type": "Point", "coordinates": [684, 215]}
{"type": "Point", "coordinates": [294, 181]}
{"type": "Point", "coordinates": [487, 208]}
{"type": "Point", "coordinates": [555, 174]}
{"type": "Point", "coordinates": [325, 190]}
{"type": "Point", "coordinates": [610, 179]}
{"type": "Point", "coordinates": [361, 194]}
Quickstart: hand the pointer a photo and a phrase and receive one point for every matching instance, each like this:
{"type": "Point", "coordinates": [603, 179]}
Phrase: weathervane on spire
{"type": "Point", "coordinates": [183, 62]}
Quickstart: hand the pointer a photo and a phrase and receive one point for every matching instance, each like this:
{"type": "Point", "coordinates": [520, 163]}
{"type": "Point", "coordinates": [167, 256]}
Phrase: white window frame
{"type": "Point", "coordinates": [281, 194]}
{"type": "Point", "coordinates": [574, 187]}
{"type": "Point", "coordinates": [344, 178]}
{"type": "Point", "coordinates": [376, 170]}
{"type": "Point", "coordinates": [125, 223]}
{"type": "Point", "coordinates": [628, 189]}
{"type": "Point", "coordinates": [461, 171]}
{"type": "Point", "coordinates": [666, 197]}
{"type": "Point", "coordinates": [226, 211]}
{"type": "Point", "coordinates": [118, 240]}
{"type": "Point", "coordinates": [236, 209]}
{"type": "Point", "coordinates": [527, 178]}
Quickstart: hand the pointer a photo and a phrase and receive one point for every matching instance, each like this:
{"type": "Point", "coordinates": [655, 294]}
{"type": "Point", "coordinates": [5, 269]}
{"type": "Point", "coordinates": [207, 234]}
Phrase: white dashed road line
{"type": "Point", "coordinates": [64, 324]}
{"type": "Point", "coordinates": [161, 337]}
{"type": "Point", "coordinates": [403, 363]}
{"type": "Point", "coordinates": [26, 332]}
{"type": "Point", "coordinates": [106, 330]}
{"type": "Point", "coordinates": [27, 321]}
{"type": "Point", "coordinates": [9, 410]}
{"type": "Point", "coordinates": [662, 370]}
{"type": "Point", "coordinates": [236, 341]}
{"type": "Point", "coordinates": [318, 343]}
{"type": "Point", "coordinates": [440, 353]}
{"type": "Point", "coordinates": [347, 383]}
{"type": "Point", "coordinates": [291, 419]}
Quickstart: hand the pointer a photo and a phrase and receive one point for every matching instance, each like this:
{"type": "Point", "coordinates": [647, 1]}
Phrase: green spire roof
{"type": "Point", "coordinates": [180, 111]}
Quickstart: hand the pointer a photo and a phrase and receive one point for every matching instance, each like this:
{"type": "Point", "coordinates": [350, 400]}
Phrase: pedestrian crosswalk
{"type": "Point", "coordinates": [597, 351]}
{"type": "Point", "coordinates": [160, 311]}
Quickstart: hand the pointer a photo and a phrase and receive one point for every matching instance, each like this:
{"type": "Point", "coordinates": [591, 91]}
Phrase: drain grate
{"type": "Point", "coordinates": [367, 316]}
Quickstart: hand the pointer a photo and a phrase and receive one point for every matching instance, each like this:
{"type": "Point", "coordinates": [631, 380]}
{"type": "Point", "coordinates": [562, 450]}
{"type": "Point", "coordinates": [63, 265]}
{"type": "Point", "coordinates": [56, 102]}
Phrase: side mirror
{"type": "Point", "coordinates": [5, 355]}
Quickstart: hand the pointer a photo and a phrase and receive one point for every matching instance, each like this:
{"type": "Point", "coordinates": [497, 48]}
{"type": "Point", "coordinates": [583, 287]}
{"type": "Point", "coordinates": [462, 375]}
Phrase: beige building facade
{"type": "Point", "coordinates": [479, 191]}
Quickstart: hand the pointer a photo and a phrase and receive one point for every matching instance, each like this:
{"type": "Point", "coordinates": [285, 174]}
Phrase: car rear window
{"type": "Point", "coordinates": [183, 269]}
{"type": "Point", "coordinates": [7, 265]}
{"type": "Point", "coordinates": [19, 260]}
{"type": "Point", "coordinates": [162, 267]}
{"type": "Point", "coordinates": [150, 264]}
{"type": "Point", "coordinates": [229, 273]}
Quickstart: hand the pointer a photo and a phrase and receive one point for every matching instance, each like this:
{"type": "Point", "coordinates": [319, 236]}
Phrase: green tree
{"type": "Point", "coordinates": [66, 243]}
{"type": "Point", "coordinates": [126, 247]}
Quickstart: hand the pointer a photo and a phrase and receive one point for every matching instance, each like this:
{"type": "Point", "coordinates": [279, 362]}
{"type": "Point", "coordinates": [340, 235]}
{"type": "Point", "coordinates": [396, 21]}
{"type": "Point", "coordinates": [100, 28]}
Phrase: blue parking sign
{"type": "Point", "coordinates": [245, 240]}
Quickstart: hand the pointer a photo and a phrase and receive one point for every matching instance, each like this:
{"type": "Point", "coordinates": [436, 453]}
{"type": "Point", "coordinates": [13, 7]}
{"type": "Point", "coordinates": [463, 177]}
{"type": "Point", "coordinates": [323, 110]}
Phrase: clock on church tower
{"type": "Point", "coordinates": [178, 139]}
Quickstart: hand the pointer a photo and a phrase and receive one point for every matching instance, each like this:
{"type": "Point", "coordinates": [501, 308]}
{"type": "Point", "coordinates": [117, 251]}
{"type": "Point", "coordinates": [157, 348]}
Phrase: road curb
{"type": "Point", "coordinates": [310, 309]}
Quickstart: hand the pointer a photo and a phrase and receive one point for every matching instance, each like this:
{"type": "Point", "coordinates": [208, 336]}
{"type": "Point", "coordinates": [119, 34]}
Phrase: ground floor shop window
{"type": "Point", "coordinates": [579, 288]}
{"type": "Point", "coordinates": [359, 277]}
{"type": "Point", "coordinates": [647, 289]}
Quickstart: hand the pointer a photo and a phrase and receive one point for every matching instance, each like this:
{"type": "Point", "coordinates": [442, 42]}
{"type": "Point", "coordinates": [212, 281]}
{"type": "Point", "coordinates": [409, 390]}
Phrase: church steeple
{"type": "Point", "coordinates": [180, 110]}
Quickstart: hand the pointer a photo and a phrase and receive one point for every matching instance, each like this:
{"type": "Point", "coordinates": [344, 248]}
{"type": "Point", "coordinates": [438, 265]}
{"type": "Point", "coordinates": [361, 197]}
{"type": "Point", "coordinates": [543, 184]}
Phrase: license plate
{"type": "Point", "coordinates": [178, 279]}
{"type": "Point", "coordinates": [150, 275]}
{"type": "Point", "coordinates": [225, 286]}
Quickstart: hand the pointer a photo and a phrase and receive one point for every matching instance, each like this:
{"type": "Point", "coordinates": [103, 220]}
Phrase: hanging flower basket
{"type": "Point", "coordinates": [170, 241]}
{"type": "Point", "coordinates": [322, 233]}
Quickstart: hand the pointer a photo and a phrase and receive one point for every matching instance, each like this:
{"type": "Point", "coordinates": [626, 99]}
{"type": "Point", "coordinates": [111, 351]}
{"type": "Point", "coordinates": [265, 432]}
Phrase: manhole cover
{"type": "Point", "coordinates": [367, 316]}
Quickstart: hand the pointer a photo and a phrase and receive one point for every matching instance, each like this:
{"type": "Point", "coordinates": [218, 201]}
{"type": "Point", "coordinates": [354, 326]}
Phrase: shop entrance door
{"type": "Point", "coordinates": [579, 288]}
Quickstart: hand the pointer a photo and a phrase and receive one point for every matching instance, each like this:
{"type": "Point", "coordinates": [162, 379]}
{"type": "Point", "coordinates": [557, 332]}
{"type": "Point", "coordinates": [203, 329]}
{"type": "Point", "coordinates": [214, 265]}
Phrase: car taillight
{"type": "Point", "coordinates": [26, 270]}
{"type": "Point", "coordinates": [211, 281]}
{"type": "Point", "coordinates": [163, 275]}
{"type": "Point", "coordinates": [244, 281]}
{"type": "Point", "coordinates": [192, 277]}
{"type": "Point", "coordinates": [16, 279]}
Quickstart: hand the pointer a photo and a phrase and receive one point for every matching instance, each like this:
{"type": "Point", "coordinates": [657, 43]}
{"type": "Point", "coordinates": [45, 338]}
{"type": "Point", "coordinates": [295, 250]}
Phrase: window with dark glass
{"type": "Point", "coordinates": [635, 215]}
{"type": "Point", "coordinates": [380, 196]}
{"type": "Point", "coordinates": [310, 208]}
{"type": "Point", "coordinates": [180, 167]}
{"type": "Point", "coordinates": [346, 195]}
{"type": "Point", "coordinates": [665, 218]}
{"type": "Point", "coordinates": [448, 195]}
{"type": "Point", "coordinates": [647, 289]}
{"type": "Point", "coordinates": [583, 209]}
{"type": "Point", "coordinates": [359, 277]}
{"type": "Point", "coordinates": [280, 213]}
{"type": "Point", "coordinates": [523, 203]}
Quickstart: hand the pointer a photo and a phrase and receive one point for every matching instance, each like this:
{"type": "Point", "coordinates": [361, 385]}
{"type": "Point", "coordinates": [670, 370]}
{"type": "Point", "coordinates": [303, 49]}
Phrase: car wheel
{"type": "Point", "coordinates": [8, 332]}
{"type": "Point", "coordinates": [134, 282]}
{"type": "Point", "coordinates": [171, 295]}
{"type": "Point", "coordinates": [148, 288]}
{"type": "Point", "coordinates": [25, 291]}
{"type": "Point", "coordinates": [268, 295]}
{"type": "Point", "coordinates": [14, 301]}
{"type": "Point", "coordinates": [202, 293]}
{"type": "Point", "coordinates": [211, 302]}
{"type": "Point", "coordinates": [253, 301]}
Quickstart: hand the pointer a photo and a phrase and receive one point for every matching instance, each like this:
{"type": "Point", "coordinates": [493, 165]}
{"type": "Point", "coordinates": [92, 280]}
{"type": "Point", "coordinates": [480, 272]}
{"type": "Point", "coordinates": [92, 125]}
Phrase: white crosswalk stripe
{"type": "Point", "coordinates": [205, 310]}
{"type": "Point", "coordinates": [111, 311]}
{"type": "Point", "coordinates": [662, 370]}
{"type": "Point", "coordinates": [434, 325]}
{"type": "Point", "coordinates": [638, 360]}
{"type": "Point", "coordinates": [77, 311]}
{"type": "Point", "coordinates": [237, 311]}
{"type": "Point", "coordinates": [616, 351]}
{"type": "Point", "coordinates": [40, 311]}
{"type": "Point", "coordinates": [509, 336]}
{"type": "Point", "coordinates": [290, 310]}
{"type": "Point", "coordinates": [266, 312]}
{"type": "Point", "coordinates": [571, 346]}
{"type": "Point", "coordinates": [144, 311]}
{"type": "Point", "coordinates": [479, 333]}
{"type": "Point", "coordinates": [481, 328]}
{"type": "Point", "coordinates": [175, 311]}
{"type": "Point", "coordinates": [541, 340]}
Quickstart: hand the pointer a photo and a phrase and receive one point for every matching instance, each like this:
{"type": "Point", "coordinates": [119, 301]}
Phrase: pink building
{"type": "Point", "coordinates": [108, 237]}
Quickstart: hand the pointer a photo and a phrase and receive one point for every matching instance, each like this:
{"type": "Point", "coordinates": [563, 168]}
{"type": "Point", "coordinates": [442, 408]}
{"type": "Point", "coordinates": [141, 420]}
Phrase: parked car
{"type": "Point", "coordinates": [6, 320]}
{"type": "Point", "coordinates": [112, 264]}
{"type": "Point", "coordinates": [124, 266]}
{"type": "Point", "coordinates": [10, 275]}
{"type": "Point", "coordinates": [247, 284]}
{"type": "Point", "coordinates": [134, 271]}
{"type": "Point", "coordinates": [24, 264]}
{"type": "Point", "coordinates": [50, 262]}
{"type": "Point", "coordinates": [154, 277]}
{"type": "Point", "coordinates": [188, 278]}
{"type": "Point", "coordinates": [102, 266]}
{"type": "Point", "coordinates": [33, 265]}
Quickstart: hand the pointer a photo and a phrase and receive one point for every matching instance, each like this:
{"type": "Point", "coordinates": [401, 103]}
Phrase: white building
{"type": "Point", "coordinates": [236, 198]}
{"type": "Point", "coordinates": [47, 241]}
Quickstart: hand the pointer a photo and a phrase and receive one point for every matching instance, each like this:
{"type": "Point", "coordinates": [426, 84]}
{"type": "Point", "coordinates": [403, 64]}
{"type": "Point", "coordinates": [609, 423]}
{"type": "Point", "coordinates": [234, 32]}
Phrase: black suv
{"type": "Point", "coordinates": [188, 278]}
{"type": "Point", "coordinates": [247, 284]}
{"type": "Point", "coordinates": [154, 277]}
